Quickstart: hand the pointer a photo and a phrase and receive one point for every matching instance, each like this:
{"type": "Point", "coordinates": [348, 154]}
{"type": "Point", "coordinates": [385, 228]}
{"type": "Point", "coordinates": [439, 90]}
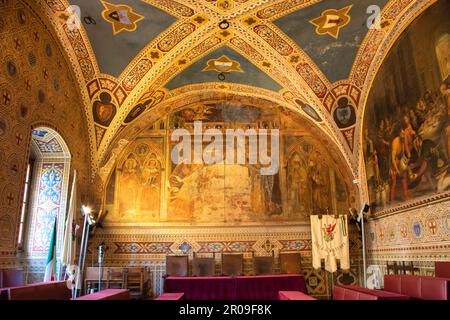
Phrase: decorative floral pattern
{"type": "Point", "coordinates": [48, 204]}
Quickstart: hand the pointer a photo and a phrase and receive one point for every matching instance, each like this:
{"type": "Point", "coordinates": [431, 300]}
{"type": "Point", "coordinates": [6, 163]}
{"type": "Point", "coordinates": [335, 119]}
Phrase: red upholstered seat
{"type": "Point", "coordinates": [234, 288]}
{"type": "Point", "coordinates": [171, 296]}
{"type": "Point", "coordinates": [4, 294]}
{"type": "Point", "coordinates": [338, 293]}
{"type": "Point", "coordinates": [434, 288]}
{"type": "Point", "coordinates": [411, 286]}
{"type": "Point", "coordinates": [365, 296]}
{"type": "Point", "coordinates": [359, 293]}
{"type": "Point", "coordinates": [267, 287]}
{"type": "Point", "coordinates": [351, 295]}
{"type": "Point", "coordinates": [442, 269]}
{"type": "Point", "coordinates": [11, 278]}
{"type": "Point", "coordinates": [293, 295]}
{"type": "Point", "coordinates": [418, 287]}
{"type": "Point", "coordinates": [57, 290]}
{"type": "Point", "coordinates": [392, 283]}
{"type": "Point", "coordinates": [108, 294]}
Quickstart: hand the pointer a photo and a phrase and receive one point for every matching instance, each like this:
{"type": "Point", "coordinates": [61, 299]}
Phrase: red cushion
{"type": "Point", "coordinates": [411, 286]}
{"type": "Point", "coordinates": [57, 290]}
{"type": "Point", "coordinates": [392, 283]}
{"type": "Point", "coordinates": [434, 288]}
{"type": "Point", "coordinates": [293, 295]}
{"type": "Point", "coordinates": [171, 296]}
{"type": "Point", "coordinates": [11, 278]}
{"type": "Point", "coordinates": [442, 269]}
{"type": "Point", "coordinates": [338, 293]}
{"type": "Point", "coordinates": [4, 294]}
{"type": "Point", "coordinates": [365, 296]}
{"type": "Point", "coordinates": [351, 295]}
{"type": "Point", "coordinates": [419, 287]}
{"type": "Point", "coordinates": [379, 294]}
{"type": "Point", "coordinates": [108, 294]}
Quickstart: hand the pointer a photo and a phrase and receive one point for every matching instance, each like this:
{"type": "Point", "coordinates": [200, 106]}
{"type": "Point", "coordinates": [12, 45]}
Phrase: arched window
{"type": "Point", "coordinates": [45, 193]}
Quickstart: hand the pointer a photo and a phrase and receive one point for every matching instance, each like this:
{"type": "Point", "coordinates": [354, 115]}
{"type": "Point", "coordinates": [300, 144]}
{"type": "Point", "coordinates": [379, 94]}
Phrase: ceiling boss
{"type": "Point", "coordinates": [121, 17]}
{"type": "Point", "coordinates": [332, 21]}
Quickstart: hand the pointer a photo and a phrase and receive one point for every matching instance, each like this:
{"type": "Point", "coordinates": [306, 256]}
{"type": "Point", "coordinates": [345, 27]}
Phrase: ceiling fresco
{"type": "Point", "coordinates": [330, 32]}
{"type": "Point", "coordinates": [209, 67]}
{"type": "Point", "coordinates": [114, 43]}
{"type": "Point", "coordinates": [315, 58]}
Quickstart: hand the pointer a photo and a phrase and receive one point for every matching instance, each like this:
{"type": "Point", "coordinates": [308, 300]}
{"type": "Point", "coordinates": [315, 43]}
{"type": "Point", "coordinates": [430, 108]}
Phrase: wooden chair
{"type": "Point", "coordinates": [116, 278]}
{"type": "Point", "coordinates": [177, 266]}
{"type": "Point", "coordinates": [392, 267]}
{"type": "Point", "coordinates": [290, 262]}
{"type": "Point", "coordinates": [407, 267]}
{"type": "Point", "coordinates": [203, 266]}
{"type": "Point", "coordinates": [232, 264]}
{"type": "Point", "coordinates": [135, 281]}
{"type": "Point", "coordinates": [263, 265]}
{"type": "Point", "coordinates": [91, 278]}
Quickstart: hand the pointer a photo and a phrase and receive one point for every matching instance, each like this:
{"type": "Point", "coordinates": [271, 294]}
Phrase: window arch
{"type": "Point", "coordinates": [45, 192]}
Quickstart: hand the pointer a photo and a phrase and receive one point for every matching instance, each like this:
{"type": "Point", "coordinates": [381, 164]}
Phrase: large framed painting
{"type": "Point", "coordinates": [406, 135]}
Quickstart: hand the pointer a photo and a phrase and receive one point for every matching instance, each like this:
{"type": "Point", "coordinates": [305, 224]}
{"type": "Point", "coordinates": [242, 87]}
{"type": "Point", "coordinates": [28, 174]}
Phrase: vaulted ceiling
{"type": "Point", "coordinates": [317, 58]}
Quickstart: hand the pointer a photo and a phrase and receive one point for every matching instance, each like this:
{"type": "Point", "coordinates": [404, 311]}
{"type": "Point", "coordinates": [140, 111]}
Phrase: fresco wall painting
{"type": "Point", "coordinates": [407, 130]}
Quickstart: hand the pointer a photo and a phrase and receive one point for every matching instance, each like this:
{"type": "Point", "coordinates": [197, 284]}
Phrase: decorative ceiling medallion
{"type": "Point", "coordinates": [225, 4]}
{"type": "Point", "coordinates": [200, 19]}
{"type": "Point", "coordinates": [104, 110]}
{"type": "Point", "coordinates": [344, 114]}
{"type": "Point", "coordinates": [331, 21]}
{"type": "Point", "coordinates": [223, 64]}
{"type": "Point", "coordinates": [120, 16]}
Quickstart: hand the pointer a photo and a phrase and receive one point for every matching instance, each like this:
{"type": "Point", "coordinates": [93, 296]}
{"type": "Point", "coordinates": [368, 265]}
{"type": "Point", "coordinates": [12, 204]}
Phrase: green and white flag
{"type": "Point", "coordinates": [51, 258]}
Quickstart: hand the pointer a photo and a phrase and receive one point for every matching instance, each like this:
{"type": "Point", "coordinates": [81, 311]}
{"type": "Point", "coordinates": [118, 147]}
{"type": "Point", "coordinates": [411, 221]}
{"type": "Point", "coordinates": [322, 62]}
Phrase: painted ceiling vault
{"type": "Point", "coordinates": [137, 57]}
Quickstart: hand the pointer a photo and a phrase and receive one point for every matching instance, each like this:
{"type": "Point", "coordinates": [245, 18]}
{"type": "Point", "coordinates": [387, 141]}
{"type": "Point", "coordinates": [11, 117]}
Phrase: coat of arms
{"type": "Point", "coordinates": [121, 17]}
{"type": "Point", "coordinates": [329, 230]}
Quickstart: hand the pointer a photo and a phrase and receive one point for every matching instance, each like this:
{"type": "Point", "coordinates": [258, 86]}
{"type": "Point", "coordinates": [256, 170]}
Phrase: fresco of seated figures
{"type": "Point", "coordinates": [146, 186]}
{"type": "Point", "coordinates": [406, 129]}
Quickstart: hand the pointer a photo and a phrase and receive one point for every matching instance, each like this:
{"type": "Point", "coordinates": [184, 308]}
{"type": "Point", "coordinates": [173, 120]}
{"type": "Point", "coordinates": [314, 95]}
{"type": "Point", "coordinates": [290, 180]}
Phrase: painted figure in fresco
{"type": "Point", "coordinates": [256, 197]}
{"type": "Point", "coordinates": [271, 194]}
{"type": "Point", "coordinates": [445, 92]}
{"type": "Point", "coordinates": [130, 184]}
{"type": "Point", "coordinates": [372, 169]}
{"type": "Point", "coordinates": [383, 147]}
{"type": "Point", "coordinates": [399, 164]}
{"type": "Point", "coordinates": [150, 191]}
{"type": "Point", "coordinates": [298, 186]}
{"type": "Point", "coordinates": [320, 197]}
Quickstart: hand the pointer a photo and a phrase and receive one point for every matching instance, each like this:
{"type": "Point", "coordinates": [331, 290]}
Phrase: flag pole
{"type": "Point", "coordinates": [364, 210]}
{"type": "Point", "coordinates": [83, 246]}
{"type": "Point", "coordinates": [364, 251]}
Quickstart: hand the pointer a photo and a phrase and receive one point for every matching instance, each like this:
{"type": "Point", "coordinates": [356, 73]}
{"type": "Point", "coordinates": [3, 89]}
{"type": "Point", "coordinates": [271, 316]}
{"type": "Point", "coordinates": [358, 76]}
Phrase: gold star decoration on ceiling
{"type": "Point", "coordinates": [120, 16]}
{"type": "Point", "coordinates": [223, 64]}
{"type": "Point", "coordinates": [331, 21]}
